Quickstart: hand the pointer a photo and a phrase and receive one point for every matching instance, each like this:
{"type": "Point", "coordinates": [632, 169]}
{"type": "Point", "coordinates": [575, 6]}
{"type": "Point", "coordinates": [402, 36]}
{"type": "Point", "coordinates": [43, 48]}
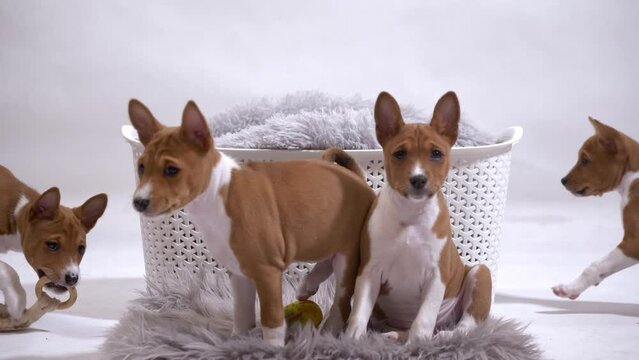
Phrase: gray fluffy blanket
{"type": "Point", "coordinates": [314, 120]}
{"type": "Point", "coordinates": [190, 317]}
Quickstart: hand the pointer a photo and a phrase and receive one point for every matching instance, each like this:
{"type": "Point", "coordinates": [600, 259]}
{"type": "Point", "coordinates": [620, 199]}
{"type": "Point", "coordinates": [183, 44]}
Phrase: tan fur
{"type": "Point", "coordinates": [417, 141]}
{"type": "Point", "coordinates": [609, 154]}
{"type": "Point", "coordinates": [630, 243]}
{"type": "Point", "coordinates": [265, 202]}
{"type": "Point", "coordinates": [67, 226]}
{"type": "Point", "coordinates": [341, 158]}
{"type": "Point", "coordinates": [281, 212]}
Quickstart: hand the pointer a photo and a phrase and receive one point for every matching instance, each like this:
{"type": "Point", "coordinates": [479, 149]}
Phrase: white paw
{"type": "Point", "coordinates": [567, 291]}
{"type": "Point", "coordinates": [356, 330]}
{"type": "Point", "coordinates": [395, 336]}
{"type": "Point", "coordinates": [419, 334]}
{"type": "Point", "coordinates": [274, 336]}
{"type": "Point", "coordinates": [16, 301]}
{"type": "Point", "coordinates": [304, 292]}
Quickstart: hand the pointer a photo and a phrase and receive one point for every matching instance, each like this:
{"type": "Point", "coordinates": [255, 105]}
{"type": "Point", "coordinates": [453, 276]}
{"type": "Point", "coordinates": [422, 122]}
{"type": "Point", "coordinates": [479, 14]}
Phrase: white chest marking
{"type": "Point", "coordinates": [624, 187]}
{"type": "Point", "coordinates": [404, 251]}
{"type": "Point", "coordinates": [13, 242]}
{"type": "Point", "coordinates": [209, 216]}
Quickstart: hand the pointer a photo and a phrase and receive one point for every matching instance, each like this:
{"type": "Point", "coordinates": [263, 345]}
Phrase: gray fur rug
{"type": "Point", "coordinates": [190, 317]}
{"type": "Point", "coordinates": [314, 120]}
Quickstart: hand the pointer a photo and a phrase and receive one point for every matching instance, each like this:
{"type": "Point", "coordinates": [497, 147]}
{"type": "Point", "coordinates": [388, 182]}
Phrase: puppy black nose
{"type": "Point", "coordinates": [71, 279]}
{"type": "Point", "coordinates": [140, 204]}
{"type": "Point", "coordinates": [564, 180]}
{"type": "Point", "coordinates": [418, 181]}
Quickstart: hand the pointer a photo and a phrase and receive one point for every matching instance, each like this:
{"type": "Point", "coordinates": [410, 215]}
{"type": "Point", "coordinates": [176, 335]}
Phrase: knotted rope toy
{"type": "Point", "coordinates": [43, 305]}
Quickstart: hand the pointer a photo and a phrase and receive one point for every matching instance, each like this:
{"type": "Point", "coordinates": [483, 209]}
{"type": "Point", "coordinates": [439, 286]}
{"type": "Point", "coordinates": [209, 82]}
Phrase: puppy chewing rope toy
{"type": "Point", "coordinates": [43, 305]}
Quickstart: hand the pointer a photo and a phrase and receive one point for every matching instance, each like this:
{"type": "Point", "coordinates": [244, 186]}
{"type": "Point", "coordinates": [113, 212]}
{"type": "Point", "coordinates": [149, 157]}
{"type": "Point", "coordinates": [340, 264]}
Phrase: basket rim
{"type": "Point", "coordinates": [507, 138]}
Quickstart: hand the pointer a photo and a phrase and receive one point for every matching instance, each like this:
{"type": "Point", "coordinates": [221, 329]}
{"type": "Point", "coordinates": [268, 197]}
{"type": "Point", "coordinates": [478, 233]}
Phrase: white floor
{"type": "Point", "coordinates": [542, 245]}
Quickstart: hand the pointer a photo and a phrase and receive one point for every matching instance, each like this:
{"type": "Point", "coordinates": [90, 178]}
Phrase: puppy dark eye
{"type": "Point", "coordinates": [171, 170]}
{"type": "Point", "coordinates": [81, 249]}
{"type": "Point", "coordinates": [52, 245]}
{"type": "Point", "coordinates": [400, 154]}
{"type": "Point", "coordinates": [436, 154]}
{"type": "Point", "coordinates": [585, 161]}
{"type": "Point", "coordinates": [140, 169]}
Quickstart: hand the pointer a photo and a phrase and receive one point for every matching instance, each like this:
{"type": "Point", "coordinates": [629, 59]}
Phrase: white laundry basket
{"type": "Point", "coordinates": [475, 190]}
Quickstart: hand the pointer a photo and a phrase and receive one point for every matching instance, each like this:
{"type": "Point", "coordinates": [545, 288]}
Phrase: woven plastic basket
{"type": "Point", "coordinates": [475, 190]}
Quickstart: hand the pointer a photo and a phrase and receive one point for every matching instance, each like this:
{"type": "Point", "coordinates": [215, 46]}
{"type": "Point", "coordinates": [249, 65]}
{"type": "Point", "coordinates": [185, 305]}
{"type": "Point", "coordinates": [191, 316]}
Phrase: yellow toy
{"type": "Point", "coordinates": [301, 312]}
{"type": "Point", "coordinates": [43, 305]}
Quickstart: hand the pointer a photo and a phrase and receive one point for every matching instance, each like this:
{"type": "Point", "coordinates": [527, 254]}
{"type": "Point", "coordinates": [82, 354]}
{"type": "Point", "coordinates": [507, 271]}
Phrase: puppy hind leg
{"type": "Point", "coordinates": [345, 270]}
{"type": "Point", "coordinates": [477, 297]}
{"type": "Point", "coordinates": [311, 282]}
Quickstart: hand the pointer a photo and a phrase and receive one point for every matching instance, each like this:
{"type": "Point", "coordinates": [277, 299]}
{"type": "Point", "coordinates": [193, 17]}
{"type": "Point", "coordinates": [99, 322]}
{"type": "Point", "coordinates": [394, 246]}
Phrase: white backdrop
{"type": "Point", "coordinates": [68, 68]}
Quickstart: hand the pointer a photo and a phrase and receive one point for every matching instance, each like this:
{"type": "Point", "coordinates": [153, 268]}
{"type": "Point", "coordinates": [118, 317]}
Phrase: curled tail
{"type": "Point", "coordinates": [341, 158]}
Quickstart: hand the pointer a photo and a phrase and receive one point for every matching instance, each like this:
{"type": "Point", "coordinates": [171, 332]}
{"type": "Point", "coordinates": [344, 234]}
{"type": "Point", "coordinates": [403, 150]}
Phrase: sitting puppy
{"type": "Point", "coordinates": [51, 236]}
{"type": "Point", "coordinates": [411, 277]}
{"type": "Point", "coordinates": [255, 218]}
{"type": "Point", "coordinates": [607, 161]}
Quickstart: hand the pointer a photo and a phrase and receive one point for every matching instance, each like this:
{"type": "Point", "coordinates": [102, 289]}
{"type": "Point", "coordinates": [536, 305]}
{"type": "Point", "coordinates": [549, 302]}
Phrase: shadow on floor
{"type": "Point", "coordinates": [573, 306]}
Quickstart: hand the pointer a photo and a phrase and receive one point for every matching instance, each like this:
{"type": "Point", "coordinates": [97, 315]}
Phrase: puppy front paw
{"type": "Point", "coordinates": [356, 330]}
{"type": "Point", "coordinates": [566, 291]}
{"type": "Point", "coordinates": [419, 334]}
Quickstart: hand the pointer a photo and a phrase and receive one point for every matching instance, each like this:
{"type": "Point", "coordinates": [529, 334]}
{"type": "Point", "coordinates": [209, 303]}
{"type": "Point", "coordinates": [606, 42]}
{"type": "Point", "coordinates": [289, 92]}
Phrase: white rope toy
{"type": "Point", "coordinates": [43, 305]}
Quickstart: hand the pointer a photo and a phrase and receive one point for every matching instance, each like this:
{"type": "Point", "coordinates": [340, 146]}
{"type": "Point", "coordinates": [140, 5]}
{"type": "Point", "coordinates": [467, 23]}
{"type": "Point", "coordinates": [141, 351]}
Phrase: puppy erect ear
{"type": "Point", "coordinates": [194, 128]}
{"type": "Point", "coordinates": [606, 135]}
{"type": "Point", "coordinates": [47, 205]}
{"type": "Point", "coordinates": [388, 117]}
{"type": "Point", "coordinates": [143, 121]}
{"type": "Point", "coordinates": [446, 117]}
{"type": "Point", "coordinates": [91, 210]}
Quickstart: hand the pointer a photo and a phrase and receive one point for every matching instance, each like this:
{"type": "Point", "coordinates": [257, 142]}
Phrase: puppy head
{"type": "Point", "coordinates": [177, 161]}
{"type": "Point", "coordinates": [416, 156]}
{"type": "Point", "coordinates": [600, 165]}
{"type": "Point", "coordinates": [54, 236]}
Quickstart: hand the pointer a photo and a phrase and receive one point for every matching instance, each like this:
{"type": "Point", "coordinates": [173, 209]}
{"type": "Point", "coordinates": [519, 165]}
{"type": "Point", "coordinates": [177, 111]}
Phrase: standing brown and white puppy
{"type": "Point", "coordinates": [51, 236]}
{"type": "Point", "coordinates": [411, 279]}
{"type": "Point", "coordinates": [608, 160]}
{"type": "Point", "coordinates": [255, 218]}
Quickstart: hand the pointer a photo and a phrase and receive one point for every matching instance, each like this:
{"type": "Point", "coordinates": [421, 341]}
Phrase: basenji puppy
{"type": "Point", "coordinates": [411, 278]}
{"type": "Point", "coordinates": [51, 236]}
{"type": "Point", "coordinates": [255, 218]}
{"type": "Point", "coordinates": [607, 161]}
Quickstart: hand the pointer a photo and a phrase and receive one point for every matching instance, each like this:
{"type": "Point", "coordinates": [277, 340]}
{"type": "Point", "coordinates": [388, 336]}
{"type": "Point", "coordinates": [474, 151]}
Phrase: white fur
{"type": "Point", "coordinates": [274, 336]}
{"type": "Point", "coordinates": [208, 212]}
{"type": "Point", "coordinates": [13, 242]}
{"type": "Point", "coordinates": [10, 243]}
{"type": "Point", "coordinates": [624, 187]}
{"type": "Point", "coordinates": [143, 192]}
{"type": "Point", "coordinates": [15, 297]}
{"type": "Point", "coordinates": [72, 268]}
{"type": "Point", "coordinates": [418, 170]}
{"type": "Point", "coordinates": [615, 261]}
{"type": "Point", "coordinates": [404, 253]}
